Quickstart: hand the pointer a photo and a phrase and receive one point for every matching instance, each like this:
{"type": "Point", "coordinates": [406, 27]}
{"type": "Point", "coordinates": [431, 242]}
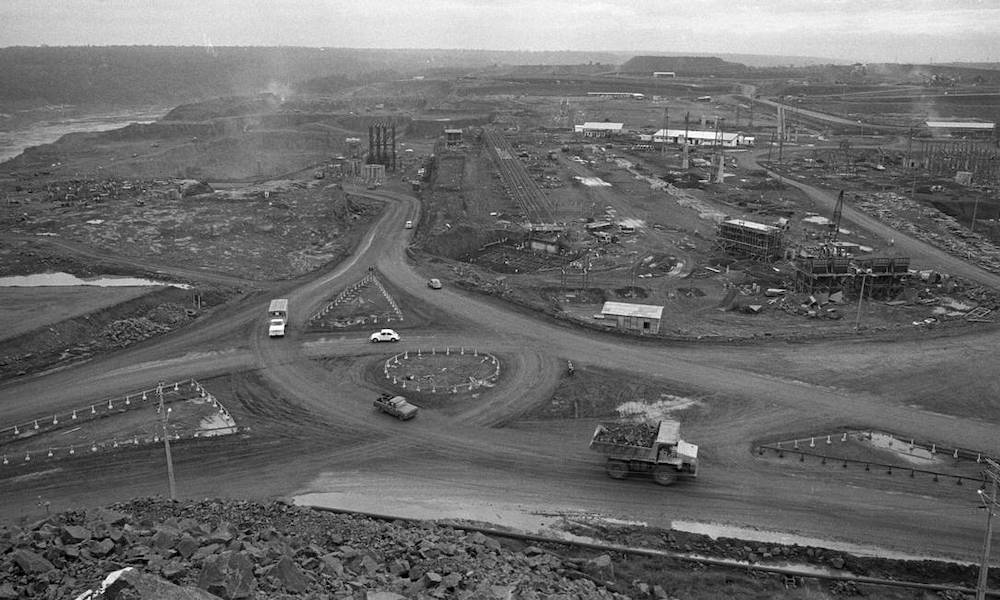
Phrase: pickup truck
{"type": "Point", "coordinates": [396, 406]}
{"type": "Point", "coordinates": [644, 448]}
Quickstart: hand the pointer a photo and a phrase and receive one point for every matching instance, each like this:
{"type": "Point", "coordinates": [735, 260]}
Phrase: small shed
{"type": "Point", "coordinates": [643, 318]}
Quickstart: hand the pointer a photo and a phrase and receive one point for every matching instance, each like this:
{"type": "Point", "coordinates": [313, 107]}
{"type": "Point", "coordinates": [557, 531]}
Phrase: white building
{"type": "Point", "coordinates": [600, 129]}
{"type": "Point", "coordinates": [695, 137]}
{"type": "Point", "coordinates": [981, 128]}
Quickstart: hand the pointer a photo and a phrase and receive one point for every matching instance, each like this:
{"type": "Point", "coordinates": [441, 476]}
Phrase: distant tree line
{"type": "Point", "coordinates": [158, 75]}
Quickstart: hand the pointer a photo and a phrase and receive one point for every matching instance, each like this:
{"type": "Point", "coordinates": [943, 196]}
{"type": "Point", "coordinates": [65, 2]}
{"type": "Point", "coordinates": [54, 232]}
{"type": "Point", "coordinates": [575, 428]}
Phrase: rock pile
{"type": "Point", "coordinates": [151, 548]}
{"type": "Point", "coordinates": [638, 433]}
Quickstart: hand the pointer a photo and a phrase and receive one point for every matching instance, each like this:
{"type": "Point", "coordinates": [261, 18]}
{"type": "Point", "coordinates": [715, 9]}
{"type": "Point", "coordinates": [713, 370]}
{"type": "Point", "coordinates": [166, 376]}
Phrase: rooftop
{"type": "Point", "coordinates": [602, 125]}
{"type": "Point", "coordinates": [752, 225]}
{"type": "Point", "coordinates": [961, 124]}
{"type": "Point", "coordinates": [695, 134]}
{"type": "Point", "coordinates": [624, 309]}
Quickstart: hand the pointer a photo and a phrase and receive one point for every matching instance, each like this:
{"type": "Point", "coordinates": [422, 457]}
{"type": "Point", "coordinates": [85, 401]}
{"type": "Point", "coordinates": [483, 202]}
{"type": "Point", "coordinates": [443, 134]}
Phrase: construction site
{"type": "Point", "coordinates": [809, 279]}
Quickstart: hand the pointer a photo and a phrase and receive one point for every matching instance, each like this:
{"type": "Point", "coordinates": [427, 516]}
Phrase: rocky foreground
{"type": "Point", "coordinates": [157, 549]}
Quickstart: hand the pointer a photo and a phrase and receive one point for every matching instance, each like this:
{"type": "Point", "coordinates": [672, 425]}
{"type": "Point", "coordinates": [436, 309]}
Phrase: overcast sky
{"type": "Point", "coordinates": [863, 30]}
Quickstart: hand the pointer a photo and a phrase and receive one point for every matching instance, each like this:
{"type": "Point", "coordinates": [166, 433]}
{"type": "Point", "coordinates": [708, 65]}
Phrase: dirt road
{"type": "Point", "coordinates": [313, 429]}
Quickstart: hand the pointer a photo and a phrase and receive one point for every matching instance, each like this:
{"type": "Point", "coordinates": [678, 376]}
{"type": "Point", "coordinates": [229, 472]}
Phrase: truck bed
{"type": "Point", "coordinates": [633, 440]}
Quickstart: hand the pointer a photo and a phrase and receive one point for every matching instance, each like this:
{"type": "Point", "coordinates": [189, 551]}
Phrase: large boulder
{"type": "Point", "coordinates": [31, 563]}
{"type": "Point", "coordinates": [288, 573]}
{"type": "Point", "coordinates": [228, 575]}
{"type": "Point", "coordinates": [131, 584]}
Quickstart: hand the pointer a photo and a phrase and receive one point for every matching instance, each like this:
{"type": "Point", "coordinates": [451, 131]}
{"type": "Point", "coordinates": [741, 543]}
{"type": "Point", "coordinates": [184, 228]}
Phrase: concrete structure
{"type": "Point", "coordinates": [382, 144]}
{"type": "Point", "coordinates": [696, 137]}
{"type": "Point", "coordinates": [642, 318]}
{"type": "Point", "coordinates": [599, 129]}
{"type": "Point", "coordinates": [664, 74]}
{"type": "Point", "coordinates": [548, 244]}
{"type": "Point", "coordinates": [374, 173]}
{"type": "Point", "coordinates": [453, 137]}
{"type": "Point", "coordinates": [757, 241]}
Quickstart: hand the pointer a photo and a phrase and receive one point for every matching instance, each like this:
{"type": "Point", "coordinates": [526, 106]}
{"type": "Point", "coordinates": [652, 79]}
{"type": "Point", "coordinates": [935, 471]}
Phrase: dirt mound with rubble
{"type": "Point", "coordinates": [237, 549]}
{"type": "Point", "coordinates": [104, 330]}
{"type": "Point", "coordinates": [154, 548]}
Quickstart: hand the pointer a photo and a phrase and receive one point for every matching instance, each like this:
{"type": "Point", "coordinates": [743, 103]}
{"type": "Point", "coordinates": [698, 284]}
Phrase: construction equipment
{"type": "Point", "coordinates": [838, 212]}
{"type": "Point", "coordinates": [644, 448]}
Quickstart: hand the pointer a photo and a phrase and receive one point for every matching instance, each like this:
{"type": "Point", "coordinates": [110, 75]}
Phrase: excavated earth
{"type": "Point", "coordinates": [236, 549]}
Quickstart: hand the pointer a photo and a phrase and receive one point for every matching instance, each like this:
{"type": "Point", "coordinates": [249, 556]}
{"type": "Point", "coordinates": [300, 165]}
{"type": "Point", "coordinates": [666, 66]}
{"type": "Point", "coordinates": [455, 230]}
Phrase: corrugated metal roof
{"type": "Point", "coordinates": [694, 134]}
{"type": "Point", "coordinates": [624, 309]}
{"type": "Point", "coordinates": [961, 124]}
{"type": "Point", "coordinates": [602, 125]}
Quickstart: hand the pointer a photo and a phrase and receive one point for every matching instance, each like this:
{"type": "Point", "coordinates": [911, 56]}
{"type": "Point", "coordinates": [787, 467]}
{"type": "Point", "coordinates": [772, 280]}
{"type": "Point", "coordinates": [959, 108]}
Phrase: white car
{"type": "Point", "coordinates": [386, 335]}
{"type": "Point", "coordinates": [408, 225]}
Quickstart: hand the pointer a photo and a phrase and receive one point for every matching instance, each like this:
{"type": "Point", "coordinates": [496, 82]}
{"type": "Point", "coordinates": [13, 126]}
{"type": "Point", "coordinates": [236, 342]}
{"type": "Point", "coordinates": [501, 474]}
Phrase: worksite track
{"type": "Point", "coordinates": [518, 183]}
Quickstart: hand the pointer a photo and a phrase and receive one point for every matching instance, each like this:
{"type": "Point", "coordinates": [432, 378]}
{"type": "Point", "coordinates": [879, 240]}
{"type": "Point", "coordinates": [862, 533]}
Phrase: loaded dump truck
{"type": "Point", "coordinates": [277, 314]}
{"type": "Point", "coordinates": [645, 448]}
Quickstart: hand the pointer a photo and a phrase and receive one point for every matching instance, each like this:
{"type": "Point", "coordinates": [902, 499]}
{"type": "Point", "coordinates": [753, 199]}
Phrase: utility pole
{"type": "Point", "coordinates": [992, 475]}
{"type": "Point", "coordinates": [857, 320]}
{"type": "Point", "coordinates": [666, 124]}
{"type": "Point", "coordinates": [166, 442]}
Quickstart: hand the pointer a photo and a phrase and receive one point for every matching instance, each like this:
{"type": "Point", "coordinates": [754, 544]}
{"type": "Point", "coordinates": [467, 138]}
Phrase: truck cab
{"type": "Point", "coordinates": [276, 328]}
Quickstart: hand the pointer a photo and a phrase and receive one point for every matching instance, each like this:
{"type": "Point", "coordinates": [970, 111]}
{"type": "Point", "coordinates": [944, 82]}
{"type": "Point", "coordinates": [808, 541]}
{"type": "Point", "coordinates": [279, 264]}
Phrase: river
{"type": "Point", "coordinates": [24, 129]}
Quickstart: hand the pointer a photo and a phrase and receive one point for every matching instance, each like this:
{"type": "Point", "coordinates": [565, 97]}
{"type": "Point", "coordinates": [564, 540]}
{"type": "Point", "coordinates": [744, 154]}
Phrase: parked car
{"type": "Point", "coordinates": [386, 335]}
{"type": "Point", "coordinates": [434, 284]}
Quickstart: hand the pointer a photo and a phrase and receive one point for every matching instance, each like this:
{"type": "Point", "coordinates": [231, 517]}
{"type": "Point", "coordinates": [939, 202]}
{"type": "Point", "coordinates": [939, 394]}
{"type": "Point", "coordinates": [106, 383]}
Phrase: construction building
{"type": "Point", "coordinates": [382, 144]}
{"type": "Point", "coordinates": [599, 130]}
{"type": "Point", "coordinates": [374, 174]}
{"type": "Point", "coordinates": [641, 318]}
{"type": "Point", "coordinates": [453, 137]}
{"type": "Point", "coordinates": [881, 277]}
{"type": "Point", "coordinates": [961, 129]}
{"type": "Point", "coordinates": [747, 239]}
{"type": "Point", "coordinates": [871, 277]}
{"type": "Point", "coordinates": [695, 137]}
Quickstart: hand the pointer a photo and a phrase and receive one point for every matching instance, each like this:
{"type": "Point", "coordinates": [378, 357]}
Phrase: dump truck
{"type": "Point", "coordinates": [396, 406]}
{"type": "Point", "coordinates": [277, 314]}
{"type": "Point", "coordinates": [645, 448]}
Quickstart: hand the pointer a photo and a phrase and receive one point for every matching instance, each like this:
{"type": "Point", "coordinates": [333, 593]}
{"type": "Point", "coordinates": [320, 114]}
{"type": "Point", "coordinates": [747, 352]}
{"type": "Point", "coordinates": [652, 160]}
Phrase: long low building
{"type": "Point", "coordinates": [974, 128]}
{"type": "Point", "coordinates": [696, 137]}
{"type": "Point", "coordinates": [641, 318]}
{"type": "Point", "coordinates": [599, 129]}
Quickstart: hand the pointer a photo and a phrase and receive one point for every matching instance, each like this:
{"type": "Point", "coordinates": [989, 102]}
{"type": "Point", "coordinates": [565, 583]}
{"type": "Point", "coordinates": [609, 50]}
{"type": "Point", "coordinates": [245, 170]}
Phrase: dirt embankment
{"type": "Point", "coordinates": [110, 328]}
